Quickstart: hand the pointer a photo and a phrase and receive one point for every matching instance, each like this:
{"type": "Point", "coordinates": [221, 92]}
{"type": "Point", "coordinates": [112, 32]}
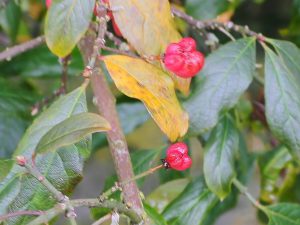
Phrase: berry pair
{"type": "Point", "coordinates": [177, 157]}
{"type": "Point", "coordinates": [183, 59]}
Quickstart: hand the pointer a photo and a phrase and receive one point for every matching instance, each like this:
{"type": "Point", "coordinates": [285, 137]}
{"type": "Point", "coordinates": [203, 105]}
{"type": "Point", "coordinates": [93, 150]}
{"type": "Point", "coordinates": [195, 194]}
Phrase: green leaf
{"type": "Point", "coordinates": [66, 22]}
{"type": "Point", "coordinates": [63, 168]}
{"type": "Point", "coordinates": [31, 64]}
{"type": "Point", "coordinates": [10, 18]}
{"type": "Point", "coordinates": [192, 206]}
{"type": "Point", "coordinates": [226, 75]}
{"type": "Point", "coordinates": [271, 165]}
{"type": "Point", "coordinates": [219, 157]}
{"type": "Point", "coordinates": [205, 9]}
{"type": "Point", "coordinates": [283, 214]}
{"type": "Point", "coordinates": [72, 130]}
{"type": "Point", "coordinates": [132, 115]}
{"type": "Point", "coordinates": [14, 116]}
{"type": "Point", "coordinates": [5, 166]}
{"type": "Point", "coordinates": [156, 218]}
{"type": "Point", "coordinates": [282, 96]}
{"type": "Point", "coordinates": [166, 193]}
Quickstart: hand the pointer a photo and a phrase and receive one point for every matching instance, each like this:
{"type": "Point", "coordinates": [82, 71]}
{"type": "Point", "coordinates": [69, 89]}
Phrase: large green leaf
{"type": "Point", "coordinates": [283, 214]}
{"type": "Point", "coordinates": [282, 95]}
{"type": "Point", "coordinates": [271, 165]}
{"type": "Point", "coordinates": [192, 206]}
{"type": "Point", "coordinates": [63, 168]}
{"type": "Point", "coordinates": [226, 75]}
{"type": "Point", "coordinates": [40, 63]}
{"type": "Point", "coordinates": [71, 130]}
{"type": "Point", "coordinates": [219, 157]}
{"type": "Point", "coordinates": [14, 116]}
{"type": "Point", "coordinates": [205, 9]}
{"type": "Point", "coordinates": [66, 22]}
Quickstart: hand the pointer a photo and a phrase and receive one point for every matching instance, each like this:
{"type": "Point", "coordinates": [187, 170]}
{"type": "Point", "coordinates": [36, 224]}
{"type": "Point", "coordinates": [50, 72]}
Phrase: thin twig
{"type": "Point", "coordinates": [211, 24]}
{"type": "Point", "coordinates": [118, 51]}
{"type": "Point", "coordinates": [64, 76]}
{"type": "Point", "coordinates": [102, 219]}
{"type": "Point", "coordinates": [21, 213]}
{"type": "Point", "coordinates": [18, 49]}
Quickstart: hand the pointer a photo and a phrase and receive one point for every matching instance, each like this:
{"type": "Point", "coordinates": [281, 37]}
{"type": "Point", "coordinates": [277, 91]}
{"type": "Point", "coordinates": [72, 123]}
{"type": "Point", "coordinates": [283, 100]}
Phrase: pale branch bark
{"type": "Point", "coordinates": [211, 24]}
{"type": "Point", "coordinates": [106, 104]}
{"type": "Point", "coordinates": [18, 49]}
{"type": "Point", "coordinates": [102, 219]}
{"type": "Point", "coordinates": [21, 213]}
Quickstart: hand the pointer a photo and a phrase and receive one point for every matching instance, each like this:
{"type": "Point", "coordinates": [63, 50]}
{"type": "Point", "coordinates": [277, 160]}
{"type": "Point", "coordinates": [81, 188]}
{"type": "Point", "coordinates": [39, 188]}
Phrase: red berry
{"type": "Point", "coordinates": [188, 44]}
{"type": "Point", "coordinates": [183, 59]}
{"type": "Point", "coordinates": [174, 62]}
{"type": "Point", "coordinates": [48, 3]}
{"type": "Point", "coordinates": [177, 157]}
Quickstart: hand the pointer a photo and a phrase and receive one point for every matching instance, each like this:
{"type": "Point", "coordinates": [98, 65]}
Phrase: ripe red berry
{"type": "Point", "coordinates": [177, 157]}
{"type": "Point", "coordinates": [183, 59]}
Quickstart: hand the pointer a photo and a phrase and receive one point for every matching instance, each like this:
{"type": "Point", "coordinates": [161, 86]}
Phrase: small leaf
{"type": "Point", "coordinates": [139, 79]}
{"type": "Point", "coordinates": [226, 75]}
{"type": "Point", "coordinates": [151, 28]}
{"type": "Point", "coordinates": [219, 155]}
{"type": "Point", "coordinates": [271, 165]}
{"type": "Point", "coordinates": [282, 95]}
{"type": "Point", "coordinates": [156, 218]}
{"type": "Point", "coordinates": [5, 166]}
{"type": "Point", "coordinates": [71, 130]}
{"type": "Point", "coordinates": [66, 22]}
{"type": "Point", "coordinates": [283, 214]}
{"type": "Point", "coordinates": [192, 206]}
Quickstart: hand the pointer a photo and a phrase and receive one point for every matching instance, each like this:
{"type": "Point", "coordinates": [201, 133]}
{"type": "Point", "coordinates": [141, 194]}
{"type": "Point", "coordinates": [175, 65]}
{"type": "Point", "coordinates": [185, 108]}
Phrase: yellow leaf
{"type": "Point", "coordinates": [149, 27]}
{"type": "Point", "coordinates": [139, 79]}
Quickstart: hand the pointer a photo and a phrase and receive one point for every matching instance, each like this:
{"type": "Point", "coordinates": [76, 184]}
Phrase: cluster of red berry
{"type": "Point", "coordinates": [109, 13]}
{"type": "Point", "coordinates": [183, 59]}
{"type": "Point", "coordinates": [177, 157]}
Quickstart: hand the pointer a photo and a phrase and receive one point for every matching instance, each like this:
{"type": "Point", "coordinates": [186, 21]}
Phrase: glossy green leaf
{"type": "Point", "coordinates": [282, 96]}
{"type": "Point", "coordinates": [132, 115]}
{"type": "Point", "coordinates": [205, 9]}
{"type": "Point", "coordinates": [72, 130]}
{"type": "Point", "coordinates": [155, 217]}
{"type": "Point", "coordinates": [63, 168]}
{"type": "Point", "coordinates": [219, 157]}
{"type": "Point", "coordinates": [192, 206]}
{"type": "Point", "coordinates": [15, 116]}
{"type": "Point", "coordinates": [271, 165]}
{"type": "Point", "coordinates": [166, 193]}
{"type": "Point", "coordinates": [226, 75]}
{"type": "Point", "coordinates": [283, 214]}
{"type": "Point", "coordinates": [66, 22]}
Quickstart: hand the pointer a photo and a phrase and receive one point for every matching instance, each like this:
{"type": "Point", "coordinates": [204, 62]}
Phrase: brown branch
{"type": "Point", "coordinates": [18, 49]}
{"type": "Point", "coordinates": [211, 24]}
{"type": "Point", "coordinates": [106, 105]}
{"type": "Point", "coordinates": [64, 76]}
{"type": "Point", "coordinates": [121, 52]}
{"type": "Point", "coordinates": [21, 213]}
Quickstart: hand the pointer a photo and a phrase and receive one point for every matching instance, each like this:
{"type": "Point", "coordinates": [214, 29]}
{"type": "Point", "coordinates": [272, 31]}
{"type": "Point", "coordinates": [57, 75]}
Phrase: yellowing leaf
{"type": "Point", "coordinates": [149, 27]}
{"type": "Point", "coordinates": [139, 79]}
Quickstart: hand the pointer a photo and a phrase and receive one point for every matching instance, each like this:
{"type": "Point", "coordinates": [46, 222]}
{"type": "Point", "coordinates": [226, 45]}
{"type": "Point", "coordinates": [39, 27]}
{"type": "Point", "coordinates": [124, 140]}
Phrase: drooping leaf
{"type": "Point", "coordinates": [149, 28]}
{"type": "Point", "coordinates": [206, 9]}
{"type": "Point", "coordinates": [283, 214]}
{"type": "Point", "coordinates": [192, 206]}
{"type": "Point", "coordinates": [63, 168]}
{"type": "Point", "coordinates": [14, 116]}
{"type": "Point", "coordinates": [72, 130]}
{"type": "Point", "coordinates": [271, 165]}
{"type": "Point", "coordinates": [166, 193]}
{"type": "Point", "coordinates": [141, 80]}
{"type": "Point", "coordinates": [219, 157]}
{"type": "Point", "coordinates": [282, 96]}
{"type": "Point", "coordinates": [66, 22]}
{"type": "Point", "coordinates": [132, 115]}
{"type": "Point", "coordinates": [155, 217]}
{"type": "Point", "coordinates": [226, 75]}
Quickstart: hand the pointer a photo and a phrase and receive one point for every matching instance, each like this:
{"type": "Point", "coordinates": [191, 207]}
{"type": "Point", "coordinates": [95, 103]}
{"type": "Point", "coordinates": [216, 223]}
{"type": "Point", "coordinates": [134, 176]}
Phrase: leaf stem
{"type": "Point", "coordinates": [21, 213]}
